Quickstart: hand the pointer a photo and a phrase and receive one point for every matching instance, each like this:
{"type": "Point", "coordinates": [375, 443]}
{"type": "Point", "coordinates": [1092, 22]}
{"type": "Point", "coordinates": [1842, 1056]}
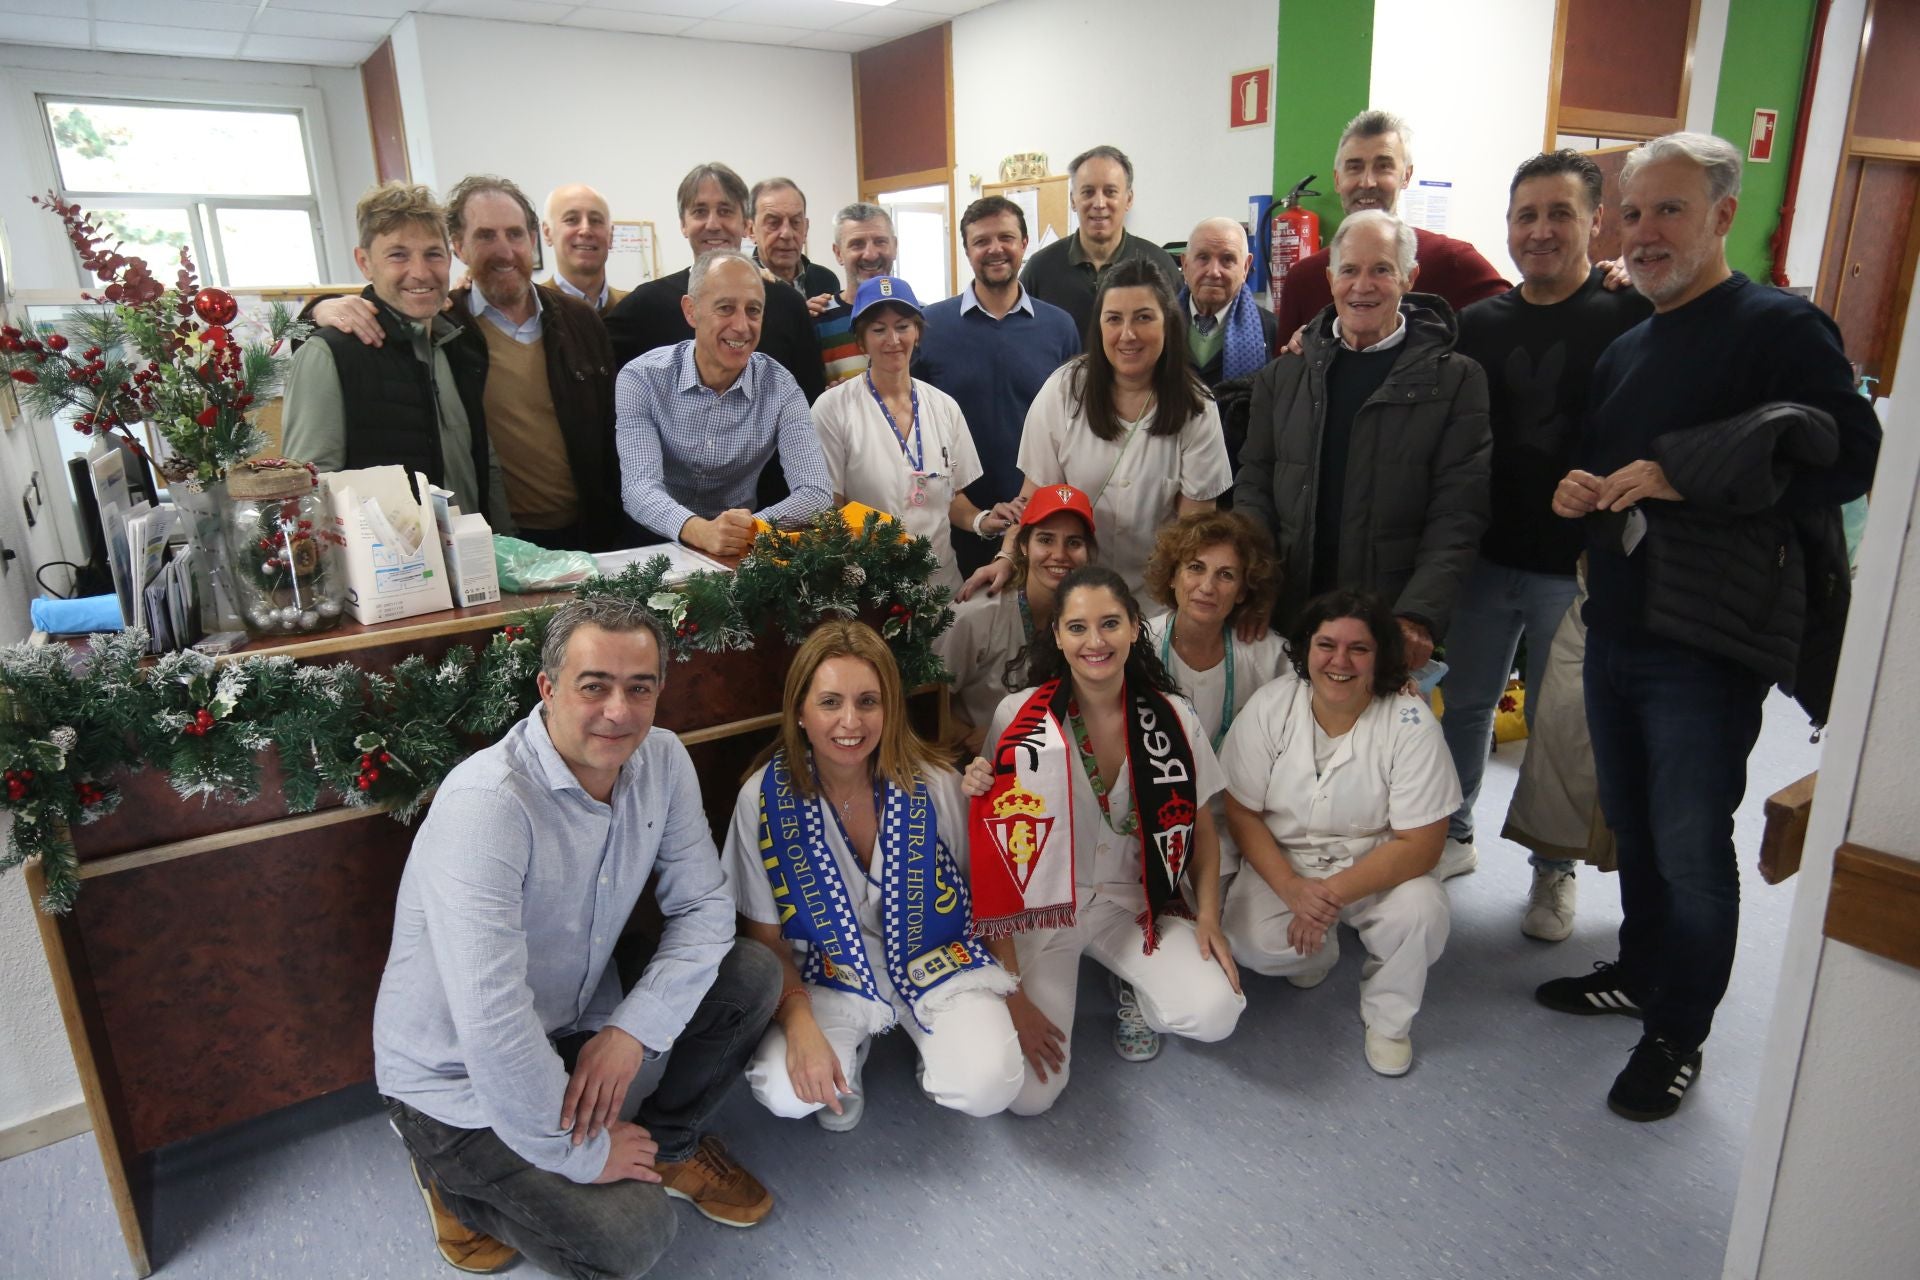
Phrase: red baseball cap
{"type": "Point", "coordinates": [1051, 499]}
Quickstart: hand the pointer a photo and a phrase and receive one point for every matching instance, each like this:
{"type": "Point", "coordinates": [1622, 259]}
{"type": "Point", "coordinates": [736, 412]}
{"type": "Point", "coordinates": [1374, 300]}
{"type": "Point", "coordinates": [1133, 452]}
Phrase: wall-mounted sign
{"type": "Point", "coordinates": [1760, 146]}
{"type": "Point", "coordinates": [1250, 99]}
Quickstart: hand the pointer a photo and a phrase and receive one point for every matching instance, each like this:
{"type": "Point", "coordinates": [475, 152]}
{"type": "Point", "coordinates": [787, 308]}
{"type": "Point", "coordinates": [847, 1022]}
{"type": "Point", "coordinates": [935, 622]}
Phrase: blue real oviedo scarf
{"type": "Point", "coordinates": [926, 913]}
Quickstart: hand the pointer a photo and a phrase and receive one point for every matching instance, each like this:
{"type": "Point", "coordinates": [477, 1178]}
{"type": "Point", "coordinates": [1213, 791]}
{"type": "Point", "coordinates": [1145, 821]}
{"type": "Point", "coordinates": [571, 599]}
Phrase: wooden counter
{"type": "Point", "coordinates": [222, 960]}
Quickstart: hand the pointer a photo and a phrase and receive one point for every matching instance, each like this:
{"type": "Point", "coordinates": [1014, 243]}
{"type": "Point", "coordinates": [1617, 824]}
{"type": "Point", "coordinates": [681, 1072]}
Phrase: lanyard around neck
{"type": "Point", "coordinates": [1226, 705]}
{"type": "Point", "coordinates": [917, 455]}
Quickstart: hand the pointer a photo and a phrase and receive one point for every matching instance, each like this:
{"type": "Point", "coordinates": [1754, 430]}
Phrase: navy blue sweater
{"type": "Point", "coordinates": [1736, 346]}
{"type": "Point", "coordinates": [993, 369]}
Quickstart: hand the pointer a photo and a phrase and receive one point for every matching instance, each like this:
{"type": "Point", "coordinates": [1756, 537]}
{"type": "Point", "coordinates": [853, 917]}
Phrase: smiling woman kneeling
{"type": "Point", "coordinates": [841, 861]}
{"type": "Point", "coordinates": [1090, 817]}
{"type": "Point", "coordinates": [1338, 792]}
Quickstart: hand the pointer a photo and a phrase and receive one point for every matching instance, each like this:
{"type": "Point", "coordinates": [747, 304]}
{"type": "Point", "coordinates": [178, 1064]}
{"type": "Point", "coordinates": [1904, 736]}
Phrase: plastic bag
{"type": "Point", "coordinates": [524, 567]}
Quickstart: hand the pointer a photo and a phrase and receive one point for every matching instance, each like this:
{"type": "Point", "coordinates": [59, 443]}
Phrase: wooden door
{"type": "Point", "coordinates": [1869, 263]}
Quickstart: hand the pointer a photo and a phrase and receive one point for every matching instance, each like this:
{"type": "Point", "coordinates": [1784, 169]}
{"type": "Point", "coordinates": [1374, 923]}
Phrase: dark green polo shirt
{"type": "Point", "coordinates": [1062, 274]}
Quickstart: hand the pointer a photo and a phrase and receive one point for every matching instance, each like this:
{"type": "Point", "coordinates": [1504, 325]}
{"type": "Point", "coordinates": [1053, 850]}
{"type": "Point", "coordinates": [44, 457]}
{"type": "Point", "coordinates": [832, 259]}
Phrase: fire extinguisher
{"type": "Point", "coordinates": [1294, 233]}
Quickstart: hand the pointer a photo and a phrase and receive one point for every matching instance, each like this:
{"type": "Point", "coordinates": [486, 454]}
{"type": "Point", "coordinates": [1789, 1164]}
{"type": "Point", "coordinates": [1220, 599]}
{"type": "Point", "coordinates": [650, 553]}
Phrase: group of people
{"type": "Point", "coordinates": [1189, 663]}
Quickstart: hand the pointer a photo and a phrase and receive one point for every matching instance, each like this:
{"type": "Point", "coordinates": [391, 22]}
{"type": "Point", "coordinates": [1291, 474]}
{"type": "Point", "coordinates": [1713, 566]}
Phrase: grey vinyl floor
{"type": "Point", "coordinates": [1276, 1153]}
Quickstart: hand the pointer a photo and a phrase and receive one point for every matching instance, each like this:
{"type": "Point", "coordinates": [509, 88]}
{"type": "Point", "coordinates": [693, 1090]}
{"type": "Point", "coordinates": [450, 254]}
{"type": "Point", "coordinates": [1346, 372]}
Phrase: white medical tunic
{"type": "Point", "coordinates": [869, 463]}
{"type": "Point", "coordinates": [1390, 772]}
{"type": "Point", "coordinates": [1134, 481]}
{"type": "Point", "coordinates": [1254, 665]}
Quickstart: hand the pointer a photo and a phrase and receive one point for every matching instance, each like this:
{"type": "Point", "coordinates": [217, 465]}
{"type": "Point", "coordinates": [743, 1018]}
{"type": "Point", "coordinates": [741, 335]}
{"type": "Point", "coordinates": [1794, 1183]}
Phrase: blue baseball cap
{"type": "Point", "coordinates": [884, 289]}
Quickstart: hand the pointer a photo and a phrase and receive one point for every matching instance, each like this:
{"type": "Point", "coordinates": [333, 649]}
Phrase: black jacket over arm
{"type": "Point", "coordinates": [1737, 568]}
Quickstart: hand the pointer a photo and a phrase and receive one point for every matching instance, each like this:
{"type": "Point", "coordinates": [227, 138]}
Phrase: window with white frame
{"type": "Point", "coordinates": [231, 183]}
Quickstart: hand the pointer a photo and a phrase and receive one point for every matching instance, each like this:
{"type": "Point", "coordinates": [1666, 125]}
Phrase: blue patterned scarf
{"type": "Point", "coordinates": [925, 912]}
{"type": "Point", "coordinates": [1244, 348]}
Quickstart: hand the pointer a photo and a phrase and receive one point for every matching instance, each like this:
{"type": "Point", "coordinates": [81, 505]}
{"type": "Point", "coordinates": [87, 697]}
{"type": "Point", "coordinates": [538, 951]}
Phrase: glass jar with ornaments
{"type": "Point", "coordinates": [281, 540]}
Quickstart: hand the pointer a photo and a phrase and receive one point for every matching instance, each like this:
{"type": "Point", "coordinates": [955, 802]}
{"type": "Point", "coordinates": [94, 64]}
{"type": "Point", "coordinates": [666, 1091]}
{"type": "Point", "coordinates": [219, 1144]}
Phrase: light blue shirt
{"type": "Point", "coordinates": [969, 300]}
{"type": "Point", "coordinates": [516, 890]}
{"type": "Point", "coordinates": [523, 334]}
{"type": "Point", "coordinates": [573, 290]}
{"type": "Point", "coordinates": [687, 450]}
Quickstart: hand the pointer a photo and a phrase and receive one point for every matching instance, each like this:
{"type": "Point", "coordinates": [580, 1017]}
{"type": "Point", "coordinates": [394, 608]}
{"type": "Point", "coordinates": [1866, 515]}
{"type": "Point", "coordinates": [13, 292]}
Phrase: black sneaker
{"type": "Point", "coordinates": [1599, 992]}
{"type": "Point", "coordinates": [1656, 1078]}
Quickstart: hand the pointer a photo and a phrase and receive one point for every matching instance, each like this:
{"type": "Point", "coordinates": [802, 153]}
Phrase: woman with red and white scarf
{"type": "Point", "coordinates": [1089, 815]}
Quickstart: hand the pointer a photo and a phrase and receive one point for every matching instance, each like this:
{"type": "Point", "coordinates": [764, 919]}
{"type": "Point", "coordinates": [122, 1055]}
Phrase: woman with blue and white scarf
{"type": "Point", "coordinates": [847, 859]}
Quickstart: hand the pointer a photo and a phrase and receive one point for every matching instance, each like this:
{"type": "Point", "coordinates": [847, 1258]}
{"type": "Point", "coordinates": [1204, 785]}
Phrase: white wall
{"type": "Point", "coordinates": [1471, 139]}
{"type": "Point", "coordinates": [1059, 76]}
{"type": "Point", "coordinates": [1826, 1188]}
{"type": "Point", "coordinates": [1475, 139]}
{"type": "Point", "coordinates": [629, 114]}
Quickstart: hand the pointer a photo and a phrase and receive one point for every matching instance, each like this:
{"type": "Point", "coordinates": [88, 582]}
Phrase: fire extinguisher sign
{"type": "Point", "coordinates": [1250, 99]}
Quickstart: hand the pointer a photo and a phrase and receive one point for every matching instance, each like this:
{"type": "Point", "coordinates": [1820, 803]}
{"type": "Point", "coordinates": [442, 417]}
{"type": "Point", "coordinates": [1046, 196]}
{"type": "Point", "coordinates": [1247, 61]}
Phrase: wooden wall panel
{"type": "Point", "coordinates": [1622, 67]}
{"type": "Point", "coordinates": [901, 103]}
{"type": "Point", "coordinates": [381, 84]}
{"type": "Point", "coordinates": [242, 980]}
{"type": "Point", "coordinates": [1875, 903]}
{"type": "Point", "coordinates": [1889, 96]}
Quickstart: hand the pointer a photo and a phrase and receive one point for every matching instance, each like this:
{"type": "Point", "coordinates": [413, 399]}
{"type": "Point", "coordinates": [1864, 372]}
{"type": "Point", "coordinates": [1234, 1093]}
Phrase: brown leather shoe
{"type": "Point", "coordinates": [717, 1185]}
{"type": "Point", "coordinates": [460, 1245]}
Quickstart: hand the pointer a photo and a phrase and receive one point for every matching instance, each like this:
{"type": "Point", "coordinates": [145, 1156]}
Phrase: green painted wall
{"type": "Point", "coordinates": [1762, 66]}
{"type": "Point", "coordinates": [1322, 70]}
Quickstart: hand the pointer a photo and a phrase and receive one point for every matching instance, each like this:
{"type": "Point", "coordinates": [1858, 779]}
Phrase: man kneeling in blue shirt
{"type": "Point", "coordinates": [502, 1039]}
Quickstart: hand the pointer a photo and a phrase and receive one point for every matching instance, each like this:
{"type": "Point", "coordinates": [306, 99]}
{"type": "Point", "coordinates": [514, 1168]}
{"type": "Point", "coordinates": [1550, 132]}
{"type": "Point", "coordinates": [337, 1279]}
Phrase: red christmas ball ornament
{"type": "Point", "coordinates": [215, 306]}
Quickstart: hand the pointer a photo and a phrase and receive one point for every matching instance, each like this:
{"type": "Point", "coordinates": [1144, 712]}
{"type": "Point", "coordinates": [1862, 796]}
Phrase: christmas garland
{"type": "Point", "coordinates": [389, 739]}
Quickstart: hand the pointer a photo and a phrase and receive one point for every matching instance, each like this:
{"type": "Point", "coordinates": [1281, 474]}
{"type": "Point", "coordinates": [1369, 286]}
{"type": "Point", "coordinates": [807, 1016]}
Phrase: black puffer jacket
{"type": "Point", "coordinates": [1417, 468]}
{"type": "Point", "coordinates": [1728, 570]}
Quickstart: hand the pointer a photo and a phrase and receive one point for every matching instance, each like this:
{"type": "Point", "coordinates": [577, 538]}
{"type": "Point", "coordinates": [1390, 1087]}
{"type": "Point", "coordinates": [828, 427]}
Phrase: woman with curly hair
{"type": "Point", "coordinates": [1338, 790]}
{"type": "Point", "coordinates": [1215, 571]}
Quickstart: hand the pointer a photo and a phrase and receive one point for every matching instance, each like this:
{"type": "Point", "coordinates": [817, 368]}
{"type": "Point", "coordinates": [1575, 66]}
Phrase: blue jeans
{"type": "Point", "coordinates": [1496, 605]}
{"type": "Point", "coordinates": [620, 1229]}
{"type": "Point", "coordinates": [1672, 727]}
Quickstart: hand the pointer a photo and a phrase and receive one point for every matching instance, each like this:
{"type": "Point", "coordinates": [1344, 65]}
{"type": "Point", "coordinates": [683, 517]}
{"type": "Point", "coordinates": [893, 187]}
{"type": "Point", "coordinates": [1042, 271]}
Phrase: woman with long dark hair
{"type": "Point", "coordinates": [1128, 423]}
{"type": "Point", "coordinates": [846, 859]}
{"type": "Point", "coordinates": [1339, 788]}
{"type": "Point", "coordinates": [1089, 819]}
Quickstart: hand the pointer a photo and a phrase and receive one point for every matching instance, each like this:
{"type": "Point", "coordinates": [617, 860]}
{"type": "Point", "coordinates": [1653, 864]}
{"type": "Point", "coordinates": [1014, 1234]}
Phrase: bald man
{"type": "Point", "coordinates": [1228, 333]}
{"type": "Point", "coordinates": [579, 230]}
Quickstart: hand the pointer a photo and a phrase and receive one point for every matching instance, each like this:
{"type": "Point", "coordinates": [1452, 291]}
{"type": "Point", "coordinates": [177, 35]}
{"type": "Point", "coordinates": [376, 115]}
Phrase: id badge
{"type": "Point", "coordinates": [917, 488]}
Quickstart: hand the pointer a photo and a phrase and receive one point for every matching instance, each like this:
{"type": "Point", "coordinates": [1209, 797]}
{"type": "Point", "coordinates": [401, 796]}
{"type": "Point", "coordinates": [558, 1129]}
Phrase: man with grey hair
{"type": "Point", "coordinates": [1723, 434]}
{"type": "Point", "coordinates": [864, 246]}
{"type": "Point", "coordinates": [1067, 272]}
{"type": "Point", "coordinates": [777, 216]}
{"type": "Point", "coordinates": [547, 402]}
{"type": "Point", "coordinates": [1367, 453]}
{"type": "Point", "coordinates": [1372, 165]}
{"type": "Point", "coordinates": [713, 215]}
{"type": "Point", "coordinates": [698, 421]}
{"type": "Point", "coordinates": [505, 1041]}
{"type": "Point", "coordinates": [1229, 335]}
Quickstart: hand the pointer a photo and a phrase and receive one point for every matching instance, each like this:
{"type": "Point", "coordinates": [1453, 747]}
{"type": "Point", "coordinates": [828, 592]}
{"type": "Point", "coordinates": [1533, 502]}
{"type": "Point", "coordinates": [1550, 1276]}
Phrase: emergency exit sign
{"type": "Point", "coordinates": [1760, 147]}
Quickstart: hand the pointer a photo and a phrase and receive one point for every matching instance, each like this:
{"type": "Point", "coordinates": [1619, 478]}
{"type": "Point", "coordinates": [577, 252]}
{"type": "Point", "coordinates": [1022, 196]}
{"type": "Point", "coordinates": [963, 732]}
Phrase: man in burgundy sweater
{"type": "Point", "coordinates": [1373, 162]}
